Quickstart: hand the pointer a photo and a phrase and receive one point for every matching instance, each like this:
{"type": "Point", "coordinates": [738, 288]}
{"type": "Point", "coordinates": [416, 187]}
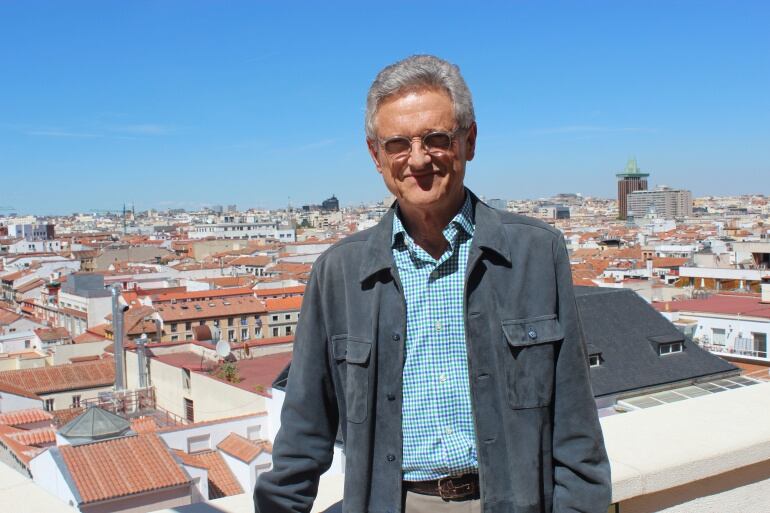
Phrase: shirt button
{"type": "Point", "coordinates": [396, 336]}
{"type": "Point", "coordinates": [532, 333]}
{"type": "Point", "coordinates": [391, 457]}
{"type": "Point", "coordinates": [442, 378]}
{"type": "Point", "coordinates": [448, 431]}
{"type": "Point", "coordinates": [438, 325]}
{"type": "Point", "coordinates": [434, 274]}
{"type": "Point", "coordinates": [391, 397]}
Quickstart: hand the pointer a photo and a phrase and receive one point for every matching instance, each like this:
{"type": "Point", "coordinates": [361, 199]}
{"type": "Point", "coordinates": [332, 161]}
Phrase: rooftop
{"type": "Point", "coordinates": [59, 378]}
{"type": "Point", "coordinates": [244, 449]}
{"type": "Point", "coordinates": [122, 466]}
{"type": "Point", "coordinates": [726, 304]}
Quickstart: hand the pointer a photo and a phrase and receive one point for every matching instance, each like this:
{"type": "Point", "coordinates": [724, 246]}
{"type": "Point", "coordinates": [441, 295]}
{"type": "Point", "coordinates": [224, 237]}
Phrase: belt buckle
{"type": "Point", "coordinates": [448, 491]}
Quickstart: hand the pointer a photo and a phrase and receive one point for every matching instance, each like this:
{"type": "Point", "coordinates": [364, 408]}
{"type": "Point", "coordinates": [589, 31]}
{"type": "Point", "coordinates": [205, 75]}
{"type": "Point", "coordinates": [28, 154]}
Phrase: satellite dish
{"type": "Point", "coordinates": [223, 348]}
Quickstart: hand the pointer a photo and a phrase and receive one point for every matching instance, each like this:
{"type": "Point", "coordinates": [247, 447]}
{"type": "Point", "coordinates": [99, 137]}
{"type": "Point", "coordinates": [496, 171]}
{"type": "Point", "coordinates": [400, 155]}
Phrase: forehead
{"type": "Point", "coordinates": [415, 111]}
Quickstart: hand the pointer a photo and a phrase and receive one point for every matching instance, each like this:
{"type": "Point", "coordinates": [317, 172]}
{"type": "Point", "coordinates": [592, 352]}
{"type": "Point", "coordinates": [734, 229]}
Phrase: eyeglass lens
{"type": "Point", "coordinates": [435, 141]}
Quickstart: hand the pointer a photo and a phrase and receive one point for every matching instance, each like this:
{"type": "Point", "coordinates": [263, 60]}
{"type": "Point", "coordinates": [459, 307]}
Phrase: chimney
{"type": "Point", "coordinates": [119, 306]}
{"type": "Point", "coordinates": [765, 290]}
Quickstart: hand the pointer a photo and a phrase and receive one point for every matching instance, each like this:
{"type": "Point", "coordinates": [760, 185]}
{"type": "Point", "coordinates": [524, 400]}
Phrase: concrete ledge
{"type": "Point", "coordinates": [678, 443]}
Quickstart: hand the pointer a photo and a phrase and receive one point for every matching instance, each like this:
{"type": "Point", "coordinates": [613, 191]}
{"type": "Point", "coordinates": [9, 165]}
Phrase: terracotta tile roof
{"type": "Point", "coordinates": [36, 437]}
{"type": "Point", "coordinates": [30, 285]}
{"type": "Point", "coordinates": [59, 378]}
{"type": "Point", "coordinates": [244, 449]}
{"type": "Point", "coordinates": [252, 261]}
{"type": "Point", "coordinates": [50, 334]}
{"type": "Point", "coordinates": [88, 336]}
{"type": "Point", "coordinates": [122, 466]}
{"type": "Point", "coordinates": [62, 417]}
{"type": "Point", "coordinates": [669, 262]}
{"type": "Point", "coordinates": [204, 295]}
{"type": "Point", "coordinates": [222, 482]}
{"type": "Point", "coordinates": [744, 305]}
{"type": "Point", "coordinates": [79, 359]}
{"type": "Point", "coordinates": [144, 425]}
{"type": "Point", "coordinates": [283, 304]}
{"type": "Point", "coordinates": [230, 281]}
{"type": "Point", "coordinates": [24, 453]}
{"type": "Point", "coordinates": [20, 417]}
{"type": "Point", "coordinates": [280, 292]}
{"type": "Point", "coordinates": [216, 308]}
{"type": "Point", "coordinates": [8, 317]}
{"type": "Point", "coordinates": [258, 374]}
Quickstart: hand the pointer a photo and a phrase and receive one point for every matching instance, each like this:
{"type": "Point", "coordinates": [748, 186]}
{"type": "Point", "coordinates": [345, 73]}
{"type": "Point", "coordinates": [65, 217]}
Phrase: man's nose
{"type": "Point", "coordinates": [418, 157]}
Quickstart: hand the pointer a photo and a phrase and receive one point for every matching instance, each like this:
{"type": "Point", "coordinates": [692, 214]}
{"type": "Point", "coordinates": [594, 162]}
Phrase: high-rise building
{"type": "Point", "coordinates": [668, 203]}
{"type": "Point", "coordinates": [629, 180]}
{"type": "Point", "coordinates": [331, 204]}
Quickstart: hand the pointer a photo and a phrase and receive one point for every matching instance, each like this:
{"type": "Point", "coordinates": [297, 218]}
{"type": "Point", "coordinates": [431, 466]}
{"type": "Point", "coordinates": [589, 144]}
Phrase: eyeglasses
{"type": "Point", "coordinates": [434, 143]}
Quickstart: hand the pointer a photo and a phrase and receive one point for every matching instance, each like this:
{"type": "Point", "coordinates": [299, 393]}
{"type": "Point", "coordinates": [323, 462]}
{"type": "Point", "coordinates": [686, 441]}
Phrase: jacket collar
{"type": "Point", "coordinates": [488, 236]}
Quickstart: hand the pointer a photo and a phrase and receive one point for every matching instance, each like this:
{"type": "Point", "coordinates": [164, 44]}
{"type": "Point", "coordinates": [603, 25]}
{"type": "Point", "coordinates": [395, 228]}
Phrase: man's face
{"type": "Point", "coordinates": [422, 180]}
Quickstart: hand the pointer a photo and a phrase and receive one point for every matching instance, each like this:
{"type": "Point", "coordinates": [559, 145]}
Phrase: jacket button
{"type": "Point", "coordinates": [391, 457]}
{"type": "Point", "coordinates": [532, 333]}
{"type": "Point", "coordinates": [396, 336]}
{"type": "Point", "coordinates": [391, 397]}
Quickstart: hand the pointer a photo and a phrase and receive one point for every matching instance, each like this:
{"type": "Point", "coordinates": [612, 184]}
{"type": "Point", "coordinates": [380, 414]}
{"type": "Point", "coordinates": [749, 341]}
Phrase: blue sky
{"type": "Point", "coordinates": [190, 103]}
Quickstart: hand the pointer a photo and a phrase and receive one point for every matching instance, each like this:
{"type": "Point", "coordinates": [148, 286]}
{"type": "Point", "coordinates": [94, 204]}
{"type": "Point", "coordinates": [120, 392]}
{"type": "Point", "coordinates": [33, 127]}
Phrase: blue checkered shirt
{"type": "Point", "coordinates": [437, 421]}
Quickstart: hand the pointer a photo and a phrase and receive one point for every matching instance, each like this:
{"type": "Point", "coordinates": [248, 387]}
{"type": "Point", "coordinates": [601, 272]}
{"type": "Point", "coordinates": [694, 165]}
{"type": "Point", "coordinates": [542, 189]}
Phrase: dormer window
{"type": "Point", "coordinates": [667, 344]}
{"type": "Point", "coordinates": [595, 360]}
{"type": "Point", "coordinates": [670, 347]}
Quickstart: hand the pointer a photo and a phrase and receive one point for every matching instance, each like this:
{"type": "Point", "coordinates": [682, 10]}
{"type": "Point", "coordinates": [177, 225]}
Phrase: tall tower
{"type": "Point", "coordinates": [630, 180]}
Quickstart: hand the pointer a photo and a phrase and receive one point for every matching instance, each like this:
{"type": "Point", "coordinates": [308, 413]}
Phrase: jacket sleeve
{"type": "Point", "coordinates": [303, 447]}
{"type": "Point", "coordinates": [581, 468]}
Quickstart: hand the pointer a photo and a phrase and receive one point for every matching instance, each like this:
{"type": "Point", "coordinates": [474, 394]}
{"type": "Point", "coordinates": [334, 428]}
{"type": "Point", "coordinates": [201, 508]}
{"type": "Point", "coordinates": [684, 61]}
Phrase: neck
{"type": "Point", "coordinates": [426, 226]}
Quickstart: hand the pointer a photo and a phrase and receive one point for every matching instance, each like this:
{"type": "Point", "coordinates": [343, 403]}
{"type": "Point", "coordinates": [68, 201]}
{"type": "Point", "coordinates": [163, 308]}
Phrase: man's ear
{"type": "Point", "coordinates": [470, 142]}
{"type": "Point", "coordinates": [372, 145]}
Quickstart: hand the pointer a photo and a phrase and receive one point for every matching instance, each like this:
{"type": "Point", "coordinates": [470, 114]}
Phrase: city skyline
{"type": "Point", "coordinates": [178, 106]}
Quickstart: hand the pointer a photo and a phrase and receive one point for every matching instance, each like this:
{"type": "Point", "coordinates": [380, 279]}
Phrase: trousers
{"type": "Point", "coordinates": [418, 503]}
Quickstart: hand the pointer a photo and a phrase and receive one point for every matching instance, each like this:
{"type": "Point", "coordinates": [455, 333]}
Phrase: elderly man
{"type": "Point", "coordinates": [445, 341]}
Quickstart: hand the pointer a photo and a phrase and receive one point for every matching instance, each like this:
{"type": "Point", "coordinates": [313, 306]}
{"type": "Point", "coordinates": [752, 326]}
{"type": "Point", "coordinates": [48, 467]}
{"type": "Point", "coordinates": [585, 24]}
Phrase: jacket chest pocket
{"type": "Point", "coordinates": [530, 366]}
{"type": "Point", "coordinates": [352, 357]}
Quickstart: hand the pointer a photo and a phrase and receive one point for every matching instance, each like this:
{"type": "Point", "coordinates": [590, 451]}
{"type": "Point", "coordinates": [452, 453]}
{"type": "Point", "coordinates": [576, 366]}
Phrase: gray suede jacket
{"type": "Point", "coordinates": [539, 442]}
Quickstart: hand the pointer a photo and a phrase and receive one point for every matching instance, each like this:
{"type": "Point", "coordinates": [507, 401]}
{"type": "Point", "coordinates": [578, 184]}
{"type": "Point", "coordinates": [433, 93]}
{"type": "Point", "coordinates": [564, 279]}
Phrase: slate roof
{"type": "Point", "coordinates": [624, 328]}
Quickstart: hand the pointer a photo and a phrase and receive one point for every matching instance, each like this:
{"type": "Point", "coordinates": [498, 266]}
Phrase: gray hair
{"type": "Point", "coordinates": [416, 72]}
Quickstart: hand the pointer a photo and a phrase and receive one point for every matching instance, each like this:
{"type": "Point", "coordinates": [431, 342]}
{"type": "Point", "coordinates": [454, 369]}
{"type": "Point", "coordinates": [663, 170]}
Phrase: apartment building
{"type": "Point", "coordinates": [239, 318]}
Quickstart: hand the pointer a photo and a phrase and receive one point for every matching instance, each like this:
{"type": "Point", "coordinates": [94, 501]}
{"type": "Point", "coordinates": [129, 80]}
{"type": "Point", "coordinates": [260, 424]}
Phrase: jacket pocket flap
{"type": "Point", "coordinates": [534, 330]}
{"type": "Point", "coordinates": [358, 350]}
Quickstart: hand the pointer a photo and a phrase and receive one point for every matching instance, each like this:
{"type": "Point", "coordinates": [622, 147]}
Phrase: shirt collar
{"type": "Point", "coordinates": [463, 218]}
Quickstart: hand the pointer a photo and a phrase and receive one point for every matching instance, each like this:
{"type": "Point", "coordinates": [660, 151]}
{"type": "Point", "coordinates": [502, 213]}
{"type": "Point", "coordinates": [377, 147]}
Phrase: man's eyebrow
{"type": "Point", "coordinates": [424, 132]}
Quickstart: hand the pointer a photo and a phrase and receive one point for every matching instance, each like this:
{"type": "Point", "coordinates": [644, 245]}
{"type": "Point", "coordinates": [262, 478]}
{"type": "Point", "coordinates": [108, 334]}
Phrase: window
{"type": "Point", "coordinates": [76, 401]}
{"type": "Point", "coordinates": [760, 344]}
{"type": "Point", "coordinates": [188, 336]}
{"type": "Point", "coordinates": [257, 332]}
{"type": "Point", "coordinates": [275, 332]}
{"type": "Point", "coordinates": [287, 317]}
{"type": "Point", "coordinates": [198, 443]}
{"type": "Point", "coordinates": [230, 321]}
{"type": "Point", "coordinates": [288, 330]}
{"type": "Point", "coordinates": [202, 323]}
{"type": "Point", "coordinates": [48, 405]}
{"type": "Point", "coordinates": [244, 333]}
{"type": "Point", "coordinates": [186, 379]}
{"type": "Point", "coordinates": [718, 336]}
{"type": "Point", "coordinates": [26, 344]}
{"type": "Point", "coordinates": [174, 338]}
{"type": "Point", "coordinates": [189, 410]}
{"type": "Point", "coordinates": [275, 317]}
{"type": "Point", "coordinates": [188, 326]}
{"type": "Point", "coordinates": [230, 335]}
{"type": "Point", "coordinates": [173, 327]}
{"type": "Point", "coordinates": [254, 432]}
{"type": "Point", "coordinates": [216, 322]}
{"type": "Point", "coordinates": [595, 360]}
{"type": "Point", "coordinates": [671, 347]}
{"type": "Point", "coordinates": [244, 321]}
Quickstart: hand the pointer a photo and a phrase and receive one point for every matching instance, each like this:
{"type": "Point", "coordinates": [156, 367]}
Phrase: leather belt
{"type": "Point", "coordinates": [448, 488]}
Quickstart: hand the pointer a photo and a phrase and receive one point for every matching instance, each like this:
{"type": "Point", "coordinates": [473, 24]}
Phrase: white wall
{"type": "Point", "coordinates": [177, 439]}
{"type": "Point", "coordinates": [63, 353]}
{"type": "Point", "coordinates": [46, 474]}
{"type": "Point", "coordinates": [12, 402]}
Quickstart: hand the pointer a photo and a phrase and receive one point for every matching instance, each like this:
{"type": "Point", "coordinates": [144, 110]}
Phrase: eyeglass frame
{"type": "Point", "coordinates": [452, 138]}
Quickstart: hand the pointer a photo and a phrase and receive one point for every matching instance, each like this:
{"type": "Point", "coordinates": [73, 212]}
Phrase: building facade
{"type": "Point", "coordinates": [630, 180]}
